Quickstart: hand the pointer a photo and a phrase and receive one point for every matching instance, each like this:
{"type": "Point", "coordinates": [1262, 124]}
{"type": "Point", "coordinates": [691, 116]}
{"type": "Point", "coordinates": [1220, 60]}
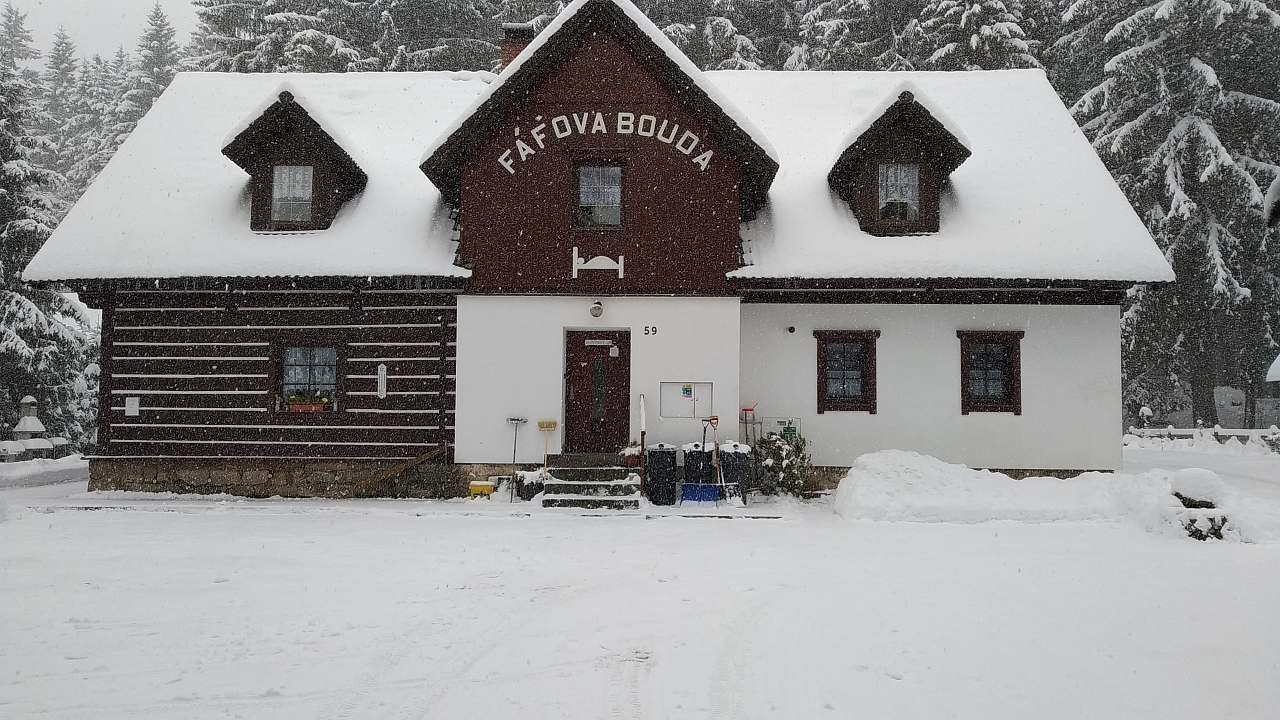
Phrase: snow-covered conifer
{"type": "Point", "coordinates": [147, 78]}
{"type": "Point", "coordinates": [978, 35]}
{"type": "Point", "coordinates": [1178, 123]}
{"type": "Point", "coordinates": [59, 87]}
{"type": "Point", "coordinates": [42, 334]}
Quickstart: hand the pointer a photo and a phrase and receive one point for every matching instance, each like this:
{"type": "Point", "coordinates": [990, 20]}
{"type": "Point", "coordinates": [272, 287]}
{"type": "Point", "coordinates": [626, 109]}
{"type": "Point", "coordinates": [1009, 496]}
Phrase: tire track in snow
{"type": "Point", "coordinates": [630, 674]}
{"type": "Point", "coordinates": [729, 678]}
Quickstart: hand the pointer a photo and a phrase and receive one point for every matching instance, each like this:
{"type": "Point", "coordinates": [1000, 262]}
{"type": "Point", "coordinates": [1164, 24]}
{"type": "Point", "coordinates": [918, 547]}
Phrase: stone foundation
{"type": "Point", "coordinates": [283, 478]}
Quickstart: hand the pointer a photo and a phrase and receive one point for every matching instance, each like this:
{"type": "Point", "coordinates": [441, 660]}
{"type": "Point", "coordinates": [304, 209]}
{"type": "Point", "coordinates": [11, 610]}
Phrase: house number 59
{"type": "Point", "coordinates": [650, 329]}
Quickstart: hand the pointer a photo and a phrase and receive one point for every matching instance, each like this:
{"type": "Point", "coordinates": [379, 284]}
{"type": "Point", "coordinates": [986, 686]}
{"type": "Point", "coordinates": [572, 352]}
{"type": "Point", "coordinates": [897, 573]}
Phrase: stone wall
{"type": "Point", "coordinates": [283, 478]}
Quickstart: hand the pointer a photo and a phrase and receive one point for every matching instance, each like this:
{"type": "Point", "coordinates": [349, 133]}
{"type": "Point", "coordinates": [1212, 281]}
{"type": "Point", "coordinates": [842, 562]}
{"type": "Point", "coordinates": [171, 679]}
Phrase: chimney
{"type": "Point", "coordinates": [515, 37]}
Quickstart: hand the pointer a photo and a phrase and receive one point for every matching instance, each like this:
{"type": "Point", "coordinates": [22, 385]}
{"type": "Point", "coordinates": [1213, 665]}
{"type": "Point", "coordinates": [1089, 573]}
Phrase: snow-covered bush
{"type": "Point", "coordinates": [784, 465]}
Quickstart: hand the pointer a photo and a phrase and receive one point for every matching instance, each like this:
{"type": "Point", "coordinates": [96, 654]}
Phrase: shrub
{"type": "Point", "coordinates": [784, 466]}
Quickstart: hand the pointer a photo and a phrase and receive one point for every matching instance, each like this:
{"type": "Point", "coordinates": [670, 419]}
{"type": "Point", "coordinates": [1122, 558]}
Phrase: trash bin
{"type": "Point", "coordinates": [660, 474]}
{"type": "Point", "coordinates": [697, 464]}
{"type": "Point", "coordinates": [735, 461]}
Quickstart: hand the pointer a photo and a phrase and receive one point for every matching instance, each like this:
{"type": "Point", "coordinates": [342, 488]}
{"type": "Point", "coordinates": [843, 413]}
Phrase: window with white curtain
{"type": "Point", "coordinates": [599, 195]}
{"type": "Point", "coordinates": [899, 192]}
{"type": "Point", "coordinates": [291, 194]}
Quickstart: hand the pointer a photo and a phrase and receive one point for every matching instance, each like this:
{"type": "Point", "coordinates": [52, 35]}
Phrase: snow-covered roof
{"type": "Point", "coordinates": [27, 400]}
{"type": "Point", "coordinates": [1273, 374]}
{"type": "Point", "coordinates": [1033, 201]}
{"type": "Point", "coordinates": [29, 424]}
{"type": "Point", "coordinates": [36, 444]}
{"type": "Point", "coordinates": [170, 205]}
{"type": "Point", "coordinates": [1271, 203]}
{"type": "Point", "coordinates": [12, 447]}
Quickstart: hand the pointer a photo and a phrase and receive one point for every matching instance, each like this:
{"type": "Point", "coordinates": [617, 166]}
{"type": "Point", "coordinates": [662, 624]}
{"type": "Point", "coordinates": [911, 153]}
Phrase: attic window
{"type": "Point", "coordinates": [291, 193]}
{"type": "Point", "coordinates": [599, 195]}
{"type": "Point", "coordinates": [899, 192]}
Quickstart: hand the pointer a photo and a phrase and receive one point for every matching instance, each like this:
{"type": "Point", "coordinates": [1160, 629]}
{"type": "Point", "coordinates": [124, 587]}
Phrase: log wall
{"type": "Point", "coordinates": [206, 364]}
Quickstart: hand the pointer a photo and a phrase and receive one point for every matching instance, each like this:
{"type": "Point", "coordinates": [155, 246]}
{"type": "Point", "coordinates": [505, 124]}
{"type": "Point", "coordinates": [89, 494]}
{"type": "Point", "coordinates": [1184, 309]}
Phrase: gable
{"type": "Point", "coordinates": [565, 36]}
{"type": "Point", "coordinates": [677, 229]}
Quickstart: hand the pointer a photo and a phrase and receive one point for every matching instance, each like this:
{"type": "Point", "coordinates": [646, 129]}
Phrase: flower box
{"type": "Point", "coordinates": [307, 407]}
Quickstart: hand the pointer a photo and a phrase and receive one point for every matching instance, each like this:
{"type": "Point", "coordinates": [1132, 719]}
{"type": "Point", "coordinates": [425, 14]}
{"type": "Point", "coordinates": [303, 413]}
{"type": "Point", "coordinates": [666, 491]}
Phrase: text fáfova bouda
{"type": "Point", "coordinates": [598, 123]}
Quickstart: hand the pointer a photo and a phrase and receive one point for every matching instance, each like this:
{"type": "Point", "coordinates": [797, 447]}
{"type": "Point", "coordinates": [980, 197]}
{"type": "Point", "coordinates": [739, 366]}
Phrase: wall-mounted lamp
{"type": "Point", "coordinates": [597, 309]}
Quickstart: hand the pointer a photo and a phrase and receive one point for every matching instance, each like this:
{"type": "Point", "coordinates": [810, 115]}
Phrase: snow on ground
{"type": "Point", "coordinates": [43, 472]}
{"type": "Point", "coordinates": [169, 608]}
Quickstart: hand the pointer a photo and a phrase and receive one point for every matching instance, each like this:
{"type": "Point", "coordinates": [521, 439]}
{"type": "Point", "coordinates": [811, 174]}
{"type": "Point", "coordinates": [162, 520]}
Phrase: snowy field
{"type": "Point", "coordinates": [113, 606]}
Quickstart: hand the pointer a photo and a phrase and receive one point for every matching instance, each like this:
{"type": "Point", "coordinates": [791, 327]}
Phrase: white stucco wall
{"type": "Point", "coordinates": [511, 363]}
{"type": "Point", "coordinates": [1070, 383]}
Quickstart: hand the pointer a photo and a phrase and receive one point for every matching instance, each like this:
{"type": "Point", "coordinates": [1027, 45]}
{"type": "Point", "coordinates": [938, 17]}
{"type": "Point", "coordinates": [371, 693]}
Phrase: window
{"type": "Point", "coordinates": [310, 379]}
{"type": "Point", "coordinates": [990, 372]}
{"type": "Point", "coordinates": [599, 195]}
{"type": "Point", "coordinates": [846, 370]}
{"type": "Point", "coordinates": [291, 194]}
{"type": "Point", "coordinates": [899, 192]}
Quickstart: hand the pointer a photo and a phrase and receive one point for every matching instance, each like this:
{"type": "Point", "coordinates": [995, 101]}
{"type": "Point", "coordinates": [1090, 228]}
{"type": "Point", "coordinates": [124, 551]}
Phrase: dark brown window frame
{"type": "Point", "coordinates": [324, 204]}
{"type": "Point", "coordinates": [928, 195]}
{"type": "Point", "coordinates": [597, 161]}
{"type": "Point", "coordinates": [868, 402]}
{"type": "Point", "coordinates": [276, 403]}
{"type": "Point", "coordinates": [1013, 340]}
{"type": "Point", "coordinates": [311, 203]}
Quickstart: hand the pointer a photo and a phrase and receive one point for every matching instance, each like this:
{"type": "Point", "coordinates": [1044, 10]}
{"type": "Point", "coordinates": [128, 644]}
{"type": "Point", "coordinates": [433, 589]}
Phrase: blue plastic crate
{"type": "Point", "coordinates": [694, 492]}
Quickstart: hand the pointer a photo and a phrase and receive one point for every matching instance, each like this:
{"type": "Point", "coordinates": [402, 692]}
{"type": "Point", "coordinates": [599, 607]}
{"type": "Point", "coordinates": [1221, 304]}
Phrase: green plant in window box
{"type": "Point", "coordinates": [307, 402]}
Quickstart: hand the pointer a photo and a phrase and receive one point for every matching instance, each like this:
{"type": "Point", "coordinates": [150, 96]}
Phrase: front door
{"type": "Point", "coordinates": [597, 389]}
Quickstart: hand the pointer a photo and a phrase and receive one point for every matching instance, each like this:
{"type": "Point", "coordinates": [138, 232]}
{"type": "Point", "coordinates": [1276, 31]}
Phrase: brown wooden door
{"type": "Point", "coordinates": [597, 390]}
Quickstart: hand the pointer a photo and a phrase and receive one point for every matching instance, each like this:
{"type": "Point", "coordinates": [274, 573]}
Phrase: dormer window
{"type": "Point", "coordinates": [299, 175]}
{"type": "Point", "coordinates": [899, 192]}
{"type": "Point", "coordinates": [893, 172]}
{"type": "Point", "coordinates": [291, 193]}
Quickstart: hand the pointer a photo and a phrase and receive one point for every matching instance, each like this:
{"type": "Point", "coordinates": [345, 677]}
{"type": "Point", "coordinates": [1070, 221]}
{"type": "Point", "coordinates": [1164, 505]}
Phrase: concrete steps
{"type": "Point", "coordinates": [590, 482]}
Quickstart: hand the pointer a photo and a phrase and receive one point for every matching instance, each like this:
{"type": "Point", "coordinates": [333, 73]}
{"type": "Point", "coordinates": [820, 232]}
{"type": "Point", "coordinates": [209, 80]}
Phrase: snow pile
{"type": "Point", "coordinates": [895, 485]}
{"type": "Point", "coordinates": [907, 486]}
{"type": "Point", "coordinates": [1200, 484]}
{"type": "Point", "coordinates": [28, 473]}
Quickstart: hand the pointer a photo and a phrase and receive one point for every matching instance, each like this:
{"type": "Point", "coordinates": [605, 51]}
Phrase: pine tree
{"type": "Point", "coordinates": [227, 35]}
{"type": "Point", "coordinates": [146, 79]}
{"type": "Point", "coordinates": [97, 96]}
{"type": "Point", "coordinates": [42, 334]}
{"type": "Point", "coordinates": [535, 12]}
{"type": "Point", "coordinates": [324, 35]}
{"type": "Point", "coordinates": [1078, 54]}
{"type": "Point", "coordinates": [706, 31]}
{"type": "Point", "coordinates": [17, 47]}
{"type": "Point", "coordinates": [448, 34]}
{"type": "Point", "coordinates": [1189, 144]}
{"type": "Point", "coordinates": [861, 35]}
{"type": "Point", "coordinates": [57, 100]}
{"type": "Point", "coordinates": [978, 35]}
